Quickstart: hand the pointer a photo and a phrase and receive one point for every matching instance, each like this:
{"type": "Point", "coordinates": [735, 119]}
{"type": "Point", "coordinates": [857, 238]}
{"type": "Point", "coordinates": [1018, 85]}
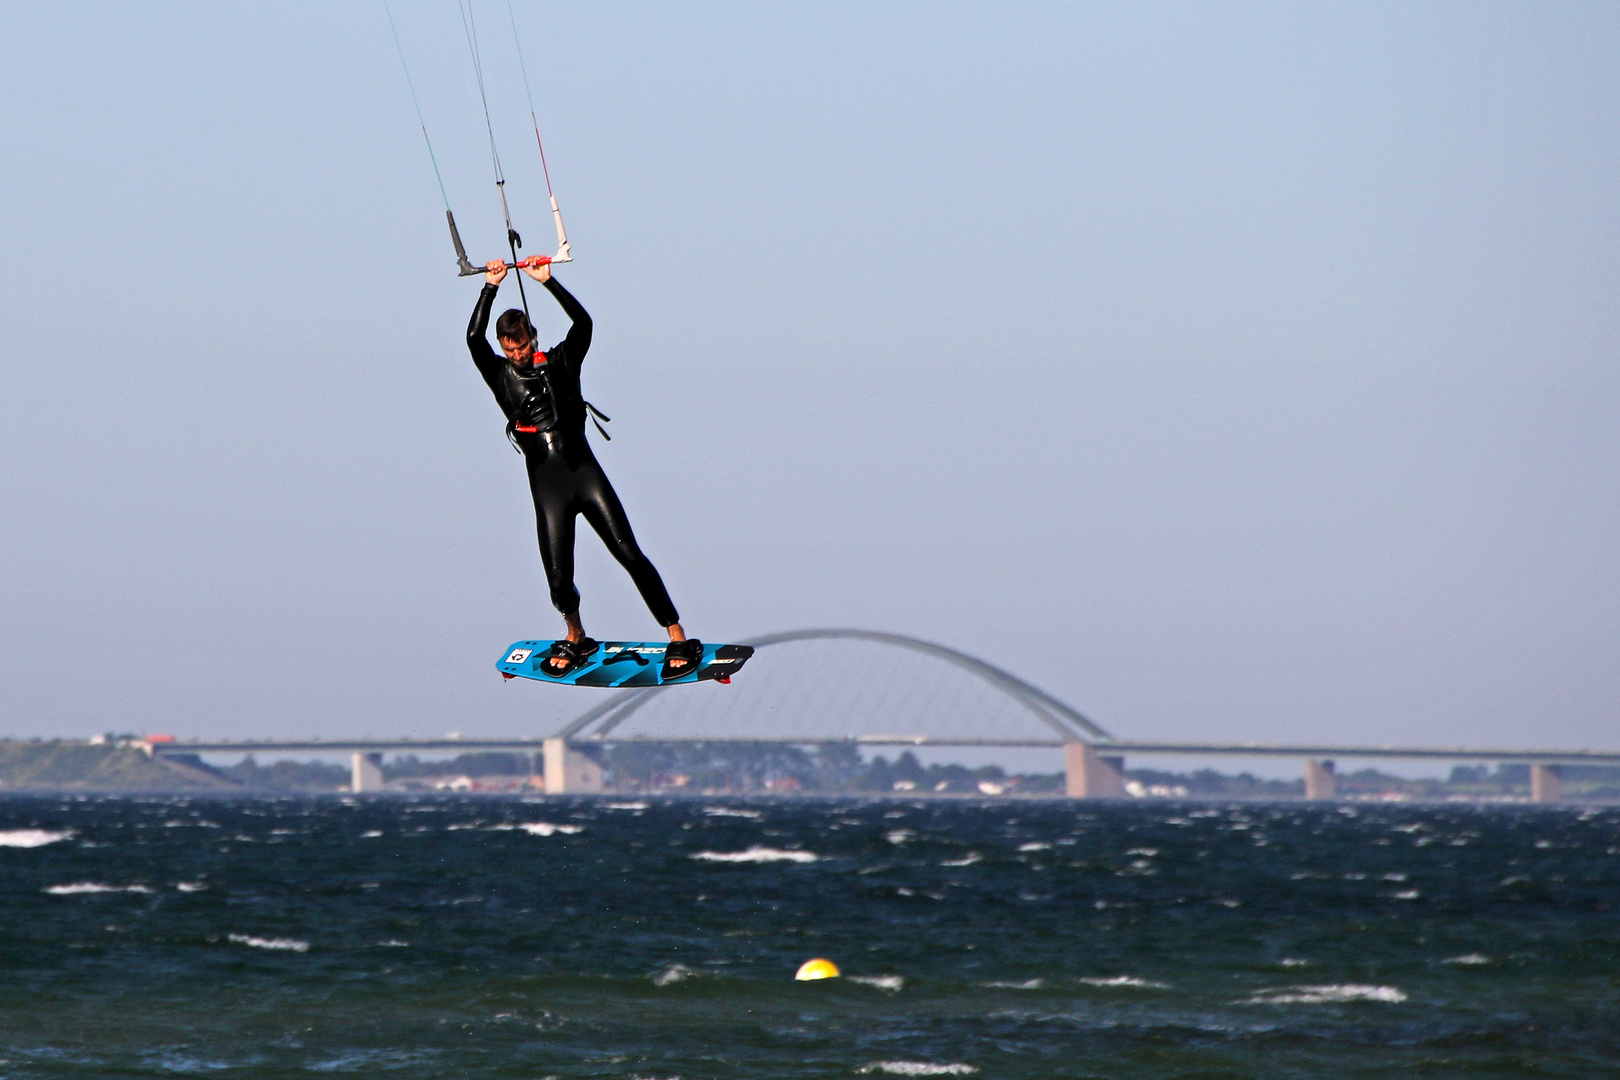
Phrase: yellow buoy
{"type": "Point", "coordinates": [817, 969]}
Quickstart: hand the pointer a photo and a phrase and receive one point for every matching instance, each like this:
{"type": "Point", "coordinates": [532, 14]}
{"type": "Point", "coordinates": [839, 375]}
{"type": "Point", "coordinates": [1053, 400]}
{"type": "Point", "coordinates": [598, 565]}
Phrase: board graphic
{"type": "Point", "coordinates": [622, 663]}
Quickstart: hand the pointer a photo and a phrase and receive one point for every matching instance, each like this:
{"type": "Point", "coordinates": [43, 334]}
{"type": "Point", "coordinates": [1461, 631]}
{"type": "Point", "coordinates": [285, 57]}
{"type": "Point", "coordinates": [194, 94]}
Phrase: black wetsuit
{"type": "Point", "coordinates": [545, 414]}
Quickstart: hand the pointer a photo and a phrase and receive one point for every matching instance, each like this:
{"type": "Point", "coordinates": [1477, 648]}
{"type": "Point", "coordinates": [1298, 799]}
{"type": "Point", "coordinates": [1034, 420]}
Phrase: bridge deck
{"type": "Point", "coordinates": [1304, 750]}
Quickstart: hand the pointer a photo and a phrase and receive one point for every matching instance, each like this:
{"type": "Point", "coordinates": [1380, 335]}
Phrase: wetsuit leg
{"type": "Point", "coordinates": [554, 523]}
{"type": "Point", "coordinates": [600, 504]}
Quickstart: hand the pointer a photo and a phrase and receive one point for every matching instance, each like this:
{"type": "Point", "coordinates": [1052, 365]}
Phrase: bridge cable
{"type": "Point", "coordinates": [1059, 716]}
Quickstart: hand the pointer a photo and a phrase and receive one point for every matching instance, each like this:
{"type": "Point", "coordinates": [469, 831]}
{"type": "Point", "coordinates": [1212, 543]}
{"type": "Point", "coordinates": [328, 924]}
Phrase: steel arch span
{"type": "Point", "coordinates": [1065, 721]}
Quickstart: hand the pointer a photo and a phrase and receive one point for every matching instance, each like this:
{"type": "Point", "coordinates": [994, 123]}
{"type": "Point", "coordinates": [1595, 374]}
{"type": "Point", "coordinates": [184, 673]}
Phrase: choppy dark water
{"type": "Point", "coordinates": [585, 938]}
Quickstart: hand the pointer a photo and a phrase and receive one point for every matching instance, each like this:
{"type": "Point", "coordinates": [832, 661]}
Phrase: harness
{"type": "Point", "coordinates": [597, 416]}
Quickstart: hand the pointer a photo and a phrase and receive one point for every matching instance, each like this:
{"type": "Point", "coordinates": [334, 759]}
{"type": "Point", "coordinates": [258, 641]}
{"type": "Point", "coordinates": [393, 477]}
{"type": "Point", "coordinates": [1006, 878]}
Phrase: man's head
{"type": "Point", "coordinates": [516, 335]}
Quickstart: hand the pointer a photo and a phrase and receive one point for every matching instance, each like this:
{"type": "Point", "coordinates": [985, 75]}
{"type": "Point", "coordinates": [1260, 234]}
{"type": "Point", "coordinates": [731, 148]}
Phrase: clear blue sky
{"type": "Point", "coordinates": [1258, 359]}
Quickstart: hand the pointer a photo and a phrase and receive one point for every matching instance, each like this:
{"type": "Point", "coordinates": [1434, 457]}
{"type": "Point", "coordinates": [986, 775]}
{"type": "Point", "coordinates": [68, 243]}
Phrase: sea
{"type": "Point", "coordinates": [450, 937]}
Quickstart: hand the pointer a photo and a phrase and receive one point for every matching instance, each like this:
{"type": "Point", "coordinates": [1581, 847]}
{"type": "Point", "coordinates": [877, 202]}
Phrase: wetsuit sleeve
{"type": "Point", "coordinates": [573, 346]}
{"type": "Point", "coordinates": [477, 341]}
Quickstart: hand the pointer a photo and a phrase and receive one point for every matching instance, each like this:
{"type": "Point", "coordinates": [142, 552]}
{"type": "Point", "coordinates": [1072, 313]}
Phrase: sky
{"type": "Point", "coordinates": [1234, 372]}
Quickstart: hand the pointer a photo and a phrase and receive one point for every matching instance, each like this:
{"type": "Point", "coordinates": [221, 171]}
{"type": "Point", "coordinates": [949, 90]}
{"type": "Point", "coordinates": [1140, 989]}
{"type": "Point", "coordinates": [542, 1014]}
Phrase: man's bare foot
{"type": "Point", "coordinates": [681, 658]}
{"type": "Point", "coordinates": [576, 633]}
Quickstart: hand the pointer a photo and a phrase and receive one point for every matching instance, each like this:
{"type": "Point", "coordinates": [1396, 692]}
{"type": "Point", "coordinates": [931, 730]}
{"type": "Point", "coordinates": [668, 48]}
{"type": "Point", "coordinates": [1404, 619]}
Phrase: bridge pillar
{"type": "Point", "coordinates": [1090, 775]}
{"type": "Point", "coordinates": [1546, 783]}
{"type": "Point", "coordinates": [365, 773]}
{"type": "Point", "coordinates": [1320, 785]}
{"type": "Point", "coordinates": [570, 771]}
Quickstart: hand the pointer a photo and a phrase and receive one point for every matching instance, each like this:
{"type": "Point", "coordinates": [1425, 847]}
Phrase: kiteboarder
{"type": "Point", "coordinates": [545, 412]}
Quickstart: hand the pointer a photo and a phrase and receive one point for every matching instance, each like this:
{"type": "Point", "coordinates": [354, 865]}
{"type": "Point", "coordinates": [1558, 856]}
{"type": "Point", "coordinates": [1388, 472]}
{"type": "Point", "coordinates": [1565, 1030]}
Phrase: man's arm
{"type": "Point", "coordinates": [578, 340]}
{"type": "Point", "coordinates": [477, 329]}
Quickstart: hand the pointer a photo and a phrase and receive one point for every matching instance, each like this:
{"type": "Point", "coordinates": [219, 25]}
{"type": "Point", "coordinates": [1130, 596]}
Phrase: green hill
{"type": "Point", "coordinates": [75, 766]}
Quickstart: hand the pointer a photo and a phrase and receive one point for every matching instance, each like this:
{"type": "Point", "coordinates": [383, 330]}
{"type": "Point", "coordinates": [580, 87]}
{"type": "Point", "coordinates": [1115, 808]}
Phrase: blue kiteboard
{"type": "Point", "coordinates": [622, 663]}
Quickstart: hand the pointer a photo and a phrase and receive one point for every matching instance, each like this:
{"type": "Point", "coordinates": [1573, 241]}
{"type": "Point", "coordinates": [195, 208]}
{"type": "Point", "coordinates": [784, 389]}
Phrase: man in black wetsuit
{"type": "Point", "coordinates": [545, 412]}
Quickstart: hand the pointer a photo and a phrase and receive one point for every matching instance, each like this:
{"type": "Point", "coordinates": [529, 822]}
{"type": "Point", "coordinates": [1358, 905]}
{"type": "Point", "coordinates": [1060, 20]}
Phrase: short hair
{"type": "Point", "coordinates": [514, 325]}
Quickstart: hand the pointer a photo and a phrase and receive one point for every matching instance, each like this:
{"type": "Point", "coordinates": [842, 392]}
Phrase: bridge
{"type": "Point", "coordinates": [946, 698]}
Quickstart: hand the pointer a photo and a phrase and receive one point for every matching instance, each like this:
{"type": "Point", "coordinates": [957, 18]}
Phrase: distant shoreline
{"type": "Point", "coordinates": [122, 765]}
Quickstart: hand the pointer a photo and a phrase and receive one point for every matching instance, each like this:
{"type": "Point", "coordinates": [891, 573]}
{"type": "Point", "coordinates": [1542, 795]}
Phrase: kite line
{"type": "Point", "coordinates": [464, 266]}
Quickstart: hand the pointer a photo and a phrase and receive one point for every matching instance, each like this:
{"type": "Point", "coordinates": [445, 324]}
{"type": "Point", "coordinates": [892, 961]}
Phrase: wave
{"type": "Point", "coordinates": [280, 944]}
{"type": "Point", "coordinates": [726, 811]}
{"type": "Point", "coordinates": [80, 888]}
{"type": "Point", "coordinates": [190, 886]}
{"type": "Point", "coordinates": [1034, 845]}
{"type": "Point", "coordinates": [1125, 980]}
{"type": "Point", "coordinates": [1027, 984]}
{"type": "Point", "coordinates": [1470, 959]}
{"type": "Point", "coordinates": [546, 828]}
{"type": "Point", "coordinates": [539, 828]}
{"type": "Point", "coordinates": [33, 837]}
{"type": "Point", "coordinates": [967, 860]}
{"type": "Point", "coordinates": [917, 1068]}
{"type": "Point", "coordinates": [1327, 995]}
{"type": "Point", "coordinates": [669, 976]}
{"type": "Point", "coordinates": [624, 806]}
{"type": "Point", "coordinates": [891, 983]}
{"type": "Point", "coordinates": [757, 854]}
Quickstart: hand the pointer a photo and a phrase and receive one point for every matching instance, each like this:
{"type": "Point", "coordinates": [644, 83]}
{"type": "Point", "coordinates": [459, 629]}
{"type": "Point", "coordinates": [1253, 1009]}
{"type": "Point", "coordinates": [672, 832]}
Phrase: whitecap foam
{"type": "Point", "coordinates": [370, 834]}
{"type": "Point", "coordinates": [33, 837]}
{"type": "Point", "coordinates": [1130, 981]}
{"type": "Point", "coordinates": [542, 828]}
{"type": "Point", "coordinates": [1293, 961]}
{"type": "Point", "coordinates": [1034, 845]}
{"type": "Point", "coordinates": [190, 886]}
{"type": "Point", "coordinates": [1405, 894]}
{"type": "Point", "coordinates": [279, 944]}
{"type": "Point", "coordinates": [726, 811]}
{"type": "Point", "coordinates": [80, 888]}
{"type": "Point", "coordinates": [624, 806]}
{"type": "Point", "coordinates": [1468, 959]}
{"type": "Point", "coordinates": [1027, 984]}
{"type": "Point", "coordinates": [917, 1068]}
{"type": "Point", "coordinates": [891, 983]}
{"type": "Point", "coordinates": [1327, 995]}
{"type": "Point", "coordinates": [678, 973]}
{"type": "Point", "coordinates": [757, 854]}
{"type": "Point", "coordinates": [898, 836]}
{"type": "Point", "coordinates": [967, 860]}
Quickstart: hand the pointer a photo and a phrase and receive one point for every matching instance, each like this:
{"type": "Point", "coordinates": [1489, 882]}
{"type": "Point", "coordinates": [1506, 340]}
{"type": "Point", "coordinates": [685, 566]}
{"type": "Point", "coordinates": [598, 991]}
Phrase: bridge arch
{"type": "Point", "coordinates": [1065, 721]}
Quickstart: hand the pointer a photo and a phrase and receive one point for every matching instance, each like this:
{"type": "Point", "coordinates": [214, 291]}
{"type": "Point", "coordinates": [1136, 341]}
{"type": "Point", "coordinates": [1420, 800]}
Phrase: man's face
{"type": "Point", "coordinates": [518, 350]}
